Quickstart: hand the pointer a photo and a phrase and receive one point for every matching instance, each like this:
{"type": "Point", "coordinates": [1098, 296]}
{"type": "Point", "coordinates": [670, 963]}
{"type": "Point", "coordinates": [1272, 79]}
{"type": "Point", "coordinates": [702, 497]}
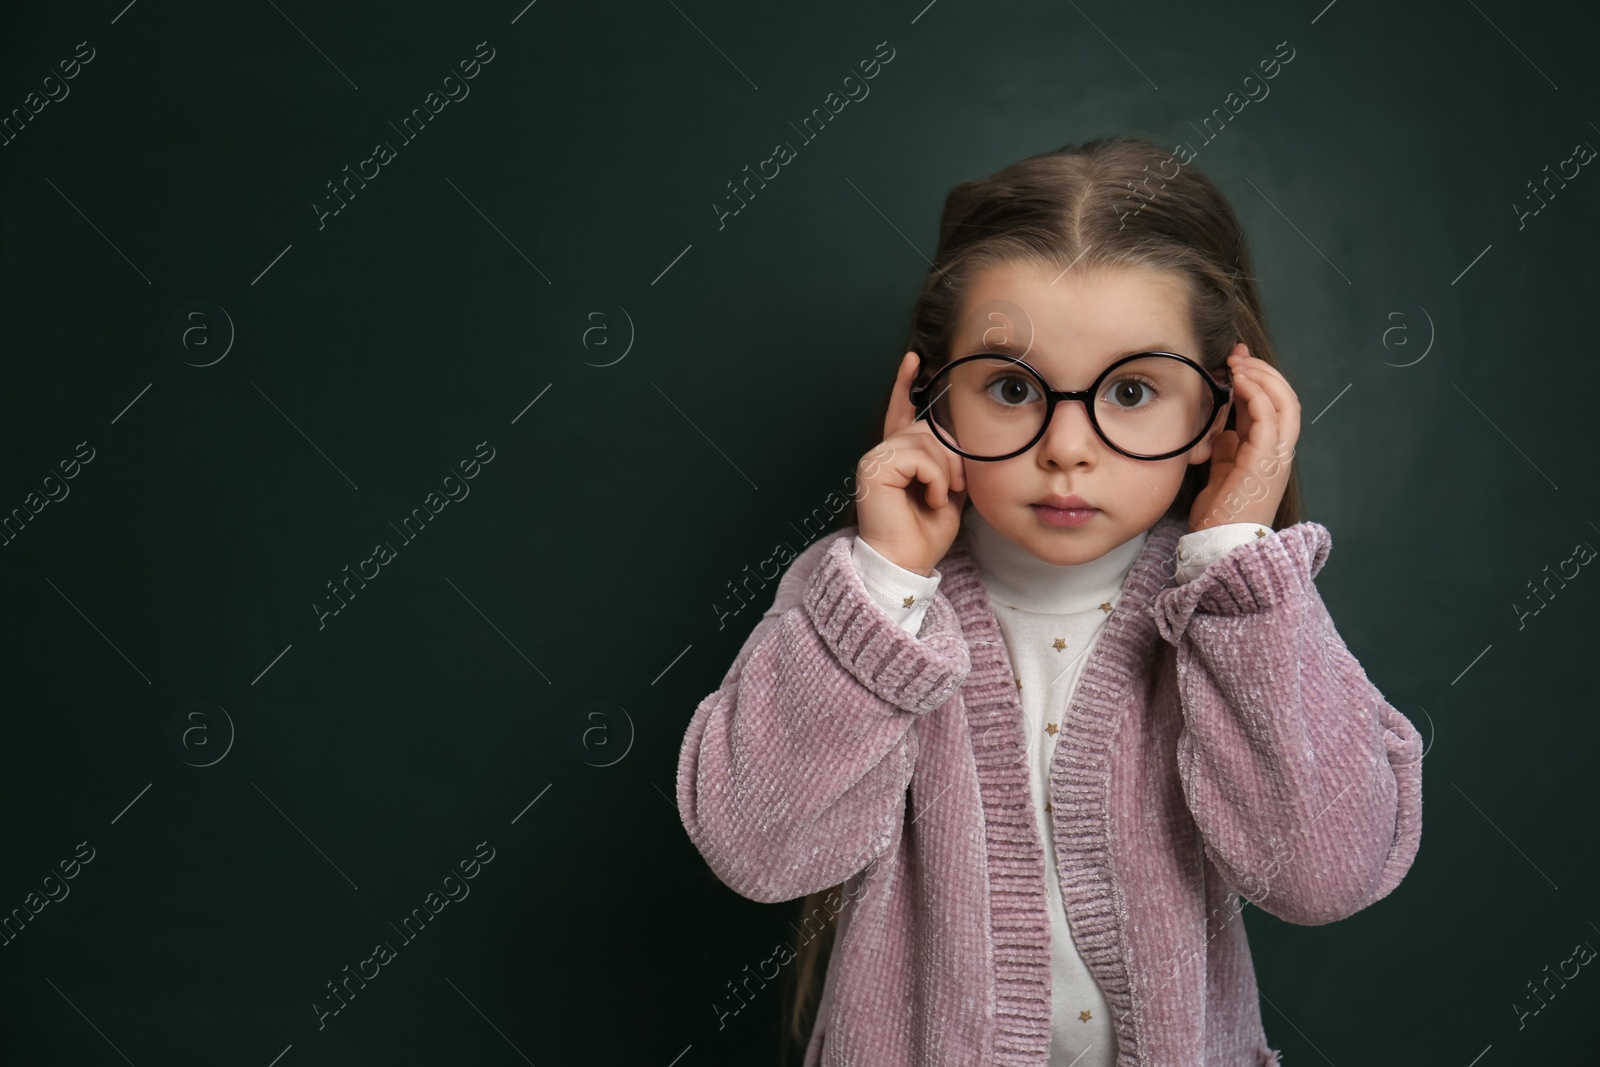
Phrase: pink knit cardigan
{"type": "Point", "coordinates": [1222, 743]}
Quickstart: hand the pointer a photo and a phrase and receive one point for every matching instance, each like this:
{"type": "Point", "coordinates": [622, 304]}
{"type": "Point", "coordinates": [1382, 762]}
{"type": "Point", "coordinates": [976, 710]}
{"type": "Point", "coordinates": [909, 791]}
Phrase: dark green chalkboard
{"type": "Point", "coordinates": [278, 277]}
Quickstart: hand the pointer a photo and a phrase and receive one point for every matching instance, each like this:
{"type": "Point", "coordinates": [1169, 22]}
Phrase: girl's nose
{"type": "Point", "coordinates": [1070, 437]}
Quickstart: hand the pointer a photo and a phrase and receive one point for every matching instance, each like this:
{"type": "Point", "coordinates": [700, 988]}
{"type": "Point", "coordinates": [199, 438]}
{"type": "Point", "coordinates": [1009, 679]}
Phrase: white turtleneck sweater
{"type": "Point", "coordinates": [1050, 617]}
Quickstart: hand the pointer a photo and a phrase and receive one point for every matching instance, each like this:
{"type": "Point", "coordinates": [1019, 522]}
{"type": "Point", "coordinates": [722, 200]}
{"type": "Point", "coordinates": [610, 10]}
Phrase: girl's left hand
{"type": "Point", "coordinates": [1250, 465]}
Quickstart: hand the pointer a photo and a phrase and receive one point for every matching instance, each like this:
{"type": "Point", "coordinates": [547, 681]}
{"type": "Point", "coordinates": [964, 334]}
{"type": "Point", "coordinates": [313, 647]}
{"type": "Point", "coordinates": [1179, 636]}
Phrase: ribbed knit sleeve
{"type": "Point", "coordinates": [1305, 783]}
{"type": "Point", "coordinates": [792, 776]}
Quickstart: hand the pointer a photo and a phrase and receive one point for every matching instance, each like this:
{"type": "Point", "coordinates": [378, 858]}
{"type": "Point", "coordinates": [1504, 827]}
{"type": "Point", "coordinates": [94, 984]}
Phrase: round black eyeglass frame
{"type": "Point", "coordinates": [1220, 395]}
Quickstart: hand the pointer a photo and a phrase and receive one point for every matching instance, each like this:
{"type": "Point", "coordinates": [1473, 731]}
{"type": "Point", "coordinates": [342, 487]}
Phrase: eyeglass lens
{"type": "Point", "coordinates": [1147, 406]}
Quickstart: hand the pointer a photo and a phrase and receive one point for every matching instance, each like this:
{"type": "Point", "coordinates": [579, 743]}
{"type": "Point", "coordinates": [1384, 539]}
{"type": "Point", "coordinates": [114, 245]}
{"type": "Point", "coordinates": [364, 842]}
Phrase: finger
{"type": "Point", "coordinates": [902, 413]}
{"type": "Point", "coordinates": [1285, 402]}
{"type": "Point", "coordinates": [935, 475]}
{"type": "Point", "coordinates": [914, 461]}
{"type": "Point", "coordinates": [948, 465]}
{"type": "Point", "coordinates": [1238, 356]}
{"type": "Point", "coordinates": [1265, 374]}
{"type": "Point", "coordinates": [924, 436]}
{"type": "Point", "coordinates": [1263, 413]}
{"type": "Point", "coordinates": [954, 462]}
{"type": "Point", "coordinates": [1242, 393]}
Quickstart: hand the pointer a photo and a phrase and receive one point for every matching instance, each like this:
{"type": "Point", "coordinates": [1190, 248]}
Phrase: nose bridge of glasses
{"type": "Point", "coordinates": [1064, 396]}
{"type": "Point", "coordinates": [1070, 405]}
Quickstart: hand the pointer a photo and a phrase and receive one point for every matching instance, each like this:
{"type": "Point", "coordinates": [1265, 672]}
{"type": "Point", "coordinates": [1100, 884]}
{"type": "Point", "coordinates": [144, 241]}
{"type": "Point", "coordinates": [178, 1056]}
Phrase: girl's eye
{"type": "Point", "coordinates": [1131, 393]}
{"type": "Point", "coordinates": [1013, 390]}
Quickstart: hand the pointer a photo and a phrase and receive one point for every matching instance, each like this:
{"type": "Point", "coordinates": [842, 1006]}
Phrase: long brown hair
{"type": "Point", "coordinates": [1110, 202]}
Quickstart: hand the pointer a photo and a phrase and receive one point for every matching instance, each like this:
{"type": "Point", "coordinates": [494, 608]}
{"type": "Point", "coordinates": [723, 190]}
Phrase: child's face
{"type": "Point", "coordinates": [1079, 325]}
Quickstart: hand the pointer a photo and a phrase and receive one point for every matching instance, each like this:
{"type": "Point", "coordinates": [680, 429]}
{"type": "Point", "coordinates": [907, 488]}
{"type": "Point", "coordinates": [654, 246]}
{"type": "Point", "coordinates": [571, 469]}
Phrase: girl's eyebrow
{"type": "Point", "coordinates": [1009, 349]}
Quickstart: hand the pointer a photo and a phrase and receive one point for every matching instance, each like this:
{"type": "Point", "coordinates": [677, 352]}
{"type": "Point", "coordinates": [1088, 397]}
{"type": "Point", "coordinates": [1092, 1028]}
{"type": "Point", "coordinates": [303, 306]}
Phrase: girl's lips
{"type": "Point", "coordinates": [1064, 516]}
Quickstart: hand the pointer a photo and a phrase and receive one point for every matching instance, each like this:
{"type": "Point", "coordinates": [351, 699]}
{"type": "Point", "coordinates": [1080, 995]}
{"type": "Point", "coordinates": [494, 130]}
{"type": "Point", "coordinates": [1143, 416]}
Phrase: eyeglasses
{"type": "Point", "coordinates": [1150, 405]}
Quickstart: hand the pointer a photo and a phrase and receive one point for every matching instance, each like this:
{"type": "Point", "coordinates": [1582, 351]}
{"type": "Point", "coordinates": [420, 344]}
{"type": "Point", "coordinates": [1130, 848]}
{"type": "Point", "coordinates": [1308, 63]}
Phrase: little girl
{"type": "Point", "coordinates": [1060, 694]}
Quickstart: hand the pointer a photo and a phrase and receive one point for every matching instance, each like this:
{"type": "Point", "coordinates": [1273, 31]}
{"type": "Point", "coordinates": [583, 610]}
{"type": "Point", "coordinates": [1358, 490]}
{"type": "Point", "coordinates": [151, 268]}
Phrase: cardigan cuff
{"type": "Point", "coordinates": [914, 673]}
{"type": "Point", "coordinates": [1249, 578]}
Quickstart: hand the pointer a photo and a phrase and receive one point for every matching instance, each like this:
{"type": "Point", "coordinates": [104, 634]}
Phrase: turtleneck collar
{"type": "Point", "coordinates": [1015, 577]}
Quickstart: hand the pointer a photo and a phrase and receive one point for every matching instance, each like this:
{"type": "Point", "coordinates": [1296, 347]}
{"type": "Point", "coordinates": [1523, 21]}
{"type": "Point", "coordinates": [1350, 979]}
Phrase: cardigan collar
{"type": "Point", "coordinates": [1017, 578]}
{"type": "Point", "coordinates": [1079, 786]}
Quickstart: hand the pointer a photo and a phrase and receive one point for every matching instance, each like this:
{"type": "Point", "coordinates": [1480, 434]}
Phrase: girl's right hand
{"type": "Point", "coordinates": [910, 489]}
